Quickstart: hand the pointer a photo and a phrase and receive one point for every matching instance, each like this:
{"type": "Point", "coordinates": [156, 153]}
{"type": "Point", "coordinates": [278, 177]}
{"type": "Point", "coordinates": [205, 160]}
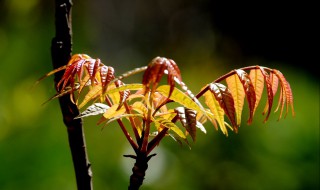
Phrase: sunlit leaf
{"type": "Point", "coordinates": [123, 94]}
{"type": "Point", "coordinates": [249, 91]}
{"type": "Point", "coordinates": [188, 120]}
{"type": "Point", "coordinates": [92, 94]}
{"type": "Point", "coordinates": [286, 94]}
{"type": "Point", "coordinates": [112, 112]}
{"type": "Point", "coordinates": [224, 97]}
{"type": "Point", "coordinates": [217, 110]}
{"type": "Point", "coordinates": [118, 117]}
{"type": "Point", "coordinates": [238, 94]}
{"type": "Point", "coordinates": [133, 86]}
{"type": "Point", "coordinates": [179, 97]}
{"type": "Point", "coordinates": [107, 75]}
{"type": "Point", "coordinates": [257, 79]}
{"type": "Point", "coordinates": [171, 126]}
{"type": "Point", "coordinates": [272, 85]}
{"type": "Point", "coordinates": [156, 69]}
{"type": "Point", "coordinates": [94, 109]}
{"type": "Point", "coordinates": [270, 94]}
{"type": "Point", "coordinates": [140, 108]}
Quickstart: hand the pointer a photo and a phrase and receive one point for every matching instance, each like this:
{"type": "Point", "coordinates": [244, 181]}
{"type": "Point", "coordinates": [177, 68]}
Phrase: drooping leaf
{"type": "Point", "coordinates": [156, 69]}
{"type": "Point", "coordinates": [94, 109]}
{"type": "Point", "coordinates": [224, 97]}
{"type": "Point", "coordinates": [188, 120]}
{"type": "Point", "coordinates": [107, 75]}
{"type": "Point", "coordinates": [257, 79]}
{"type": "Point", "coordinates": [168, 124]}
{"type": "Point", "coordinates": [238, 94]}
{"type": "Point", "coordinates": [118, 117]}
{"type": "Point", "coordinates": [123, 94]}
{"type": "Point", "coordinates": [140, 108]}
{"type": "Point", "coordinates": [270, 94]}
{"type": "Point", "coordinates": [112, 112]}
{"type": "Point", "coordinates": [179, 97]}
{"type": "Point", "coordinates": [133, 86]}
{"type": "Point", "coordinates": [249, 91]}
{"type": "Point", "coordinates": [217, 110]}
{"type": "Point", "coordinates": [92, 68]}
{"type": "Point", "coordinates": [92, 94]}
{"type": "Point", "coordinates": [286, 96]}
{"type": "Point", "coordinates": [272, 84]}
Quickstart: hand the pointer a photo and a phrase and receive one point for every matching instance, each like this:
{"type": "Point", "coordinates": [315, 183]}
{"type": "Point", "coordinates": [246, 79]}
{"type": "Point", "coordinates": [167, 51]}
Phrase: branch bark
{"type": "Point", "coordinates": [61, 50]}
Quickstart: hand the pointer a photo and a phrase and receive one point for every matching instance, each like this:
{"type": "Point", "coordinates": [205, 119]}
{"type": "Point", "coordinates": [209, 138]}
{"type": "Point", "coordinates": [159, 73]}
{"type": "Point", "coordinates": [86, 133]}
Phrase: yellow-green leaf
{"type": "Point", "coordinates": [238, 94]}
{"type": "Point", "coordinates": [249, 91]}
{"type": "Point", "coordinates": [224, 97]}
{"type": "Point", "coordinates": [134, 86]}
{"type": "Point", "coordinates": [217, 111]}
{"type": "Point", "coordinates": [112, 112]}
{"type": "Point", "coordinates": [257, 79]}
{"type": "Point", "coordinates": [179, 97]}
{"type": "Point", "coordinates": [92, 94]}
{"type": "Point", "coordinates": [171, 126]}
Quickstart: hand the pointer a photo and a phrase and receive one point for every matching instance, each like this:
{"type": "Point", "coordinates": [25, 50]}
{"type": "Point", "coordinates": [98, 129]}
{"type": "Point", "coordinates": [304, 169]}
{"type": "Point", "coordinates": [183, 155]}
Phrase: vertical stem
{"type": "Point", "coordinates": [139, 170]}
{"type": "Point", "coordinates": [61, 50]}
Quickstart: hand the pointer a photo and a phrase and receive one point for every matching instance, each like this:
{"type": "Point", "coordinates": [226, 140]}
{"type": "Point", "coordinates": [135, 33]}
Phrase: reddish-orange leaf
{"type": "Point", "coordinates": [249, 91]}
{"type": "Point", "coordinates": [188, 120]}
{"type": "Point", "coordinates": [273, 81]}
{"type": "Point", "coordinates": [257, 79]}
{"type": "Point", "coordinates": [92, 67]}
{"type": "Point", "coordinates": [156, 69]}
{"type": "Point", "coordinates": [154, 72]}
{"type": "Point", "coordinates": [225, 99]}
{"type": "Point", "coordinates": [123, 94]}
{"type": "Point", "coordinates": [238, 94]}
{"type": "Point", "coordinates": [269, 93]}
{"type": "Point", "coordinates": [285, 95]}
{"type": "Point", "coordinates": [106, 74]}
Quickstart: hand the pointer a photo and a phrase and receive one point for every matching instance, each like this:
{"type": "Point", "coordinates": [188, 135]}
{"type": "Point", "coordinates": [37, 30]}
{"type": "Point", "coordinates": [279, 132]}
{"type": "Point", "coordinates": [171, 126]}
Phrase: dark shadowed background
{"type": "Point", "coordinates": [206, 39]}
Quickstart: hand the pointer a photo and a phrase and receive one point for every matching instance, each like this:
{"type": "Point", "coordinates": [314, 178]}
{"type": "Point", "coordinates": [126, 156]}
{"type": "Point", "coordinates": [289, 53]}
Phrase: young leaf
{"type": "Point", "coordinates": [286, 95]}
{"type": "Point", "coordinates": [156, 69]}
{"type": "Point", "coordinates": [272, 85]}
{"type": "Point", "coordinates": [249, 91]}
{"type": "Point", "coordinates": [123, 94]}
{"type": "Point", "coordinates": [112, 112]}
{"type": "Point", "coordinates": [257, 79]}
{"type": "Point", "coordinates": [92, 94]}
{"type": "Point", "coordinates": [170, 125]}
{"type": "Point", "coordinates": [179, 97]}
{"type": "Point", "coordinates": [238, 94]}
{"type": "Point", "coordinates": [269, 93]}
{"type": "Point", "coordinates": [217, 110]}
{"type": "Point", "coordinates": [106, 75]}
{"type": "Point", "coordinates": [188, 120]}
{"type": "Point", "coordinates": [224, 97]}
{"type": "Point", "coordinates": [94, 109]}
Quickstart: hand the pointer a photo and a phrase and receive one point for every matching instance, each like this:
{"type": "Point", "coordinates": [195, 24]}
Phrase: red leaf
{"type": "Point", "coordinates": [269, 93]}
{"type": "Point", "coordinates": [123, 94]}
{"type": "Point", "coordinates": [106, 75]}
{"type": "Point", "coordinates": [156, 69]}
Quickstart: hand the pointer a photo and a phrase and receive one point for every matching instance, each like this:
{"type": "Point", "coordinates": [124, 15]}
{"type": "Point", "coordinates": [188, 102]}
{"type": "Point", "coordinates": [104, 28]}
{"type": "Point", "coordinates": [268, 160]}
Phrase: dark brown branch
{"type": "Point", "coordinates": [139, 170]}
{"type": "Point", "coordinates": [61, 50]}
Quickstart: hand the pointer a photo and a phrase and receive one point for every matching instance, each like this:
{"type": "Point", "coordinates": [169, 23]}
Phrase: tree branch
{"type": "Point", "coordinates": [61, 50]}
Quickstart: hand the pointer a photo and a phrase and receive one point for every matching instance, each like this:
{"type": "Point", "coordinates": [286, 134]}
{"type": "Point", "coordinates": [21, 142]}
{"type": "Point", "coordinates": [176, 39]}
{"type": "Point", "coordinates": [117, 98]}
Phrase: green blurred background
{"type": "Point", "coordinates": [206, 39]}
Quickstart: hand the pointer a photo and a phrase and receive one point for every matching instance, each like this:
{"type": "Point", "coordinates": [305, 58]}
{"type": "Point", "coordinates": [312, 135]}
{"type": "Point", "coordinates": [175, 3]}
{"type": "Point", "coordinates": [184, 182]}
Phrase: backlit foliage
{"type": "Point", "coordinates": [91, 83]}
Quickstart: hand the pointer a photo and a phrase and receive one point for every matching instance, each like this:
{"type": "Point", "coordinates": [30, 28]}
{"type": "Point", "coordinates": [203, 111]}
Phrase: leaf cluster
{"type": "Point", "coordinates": [146, 105]}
